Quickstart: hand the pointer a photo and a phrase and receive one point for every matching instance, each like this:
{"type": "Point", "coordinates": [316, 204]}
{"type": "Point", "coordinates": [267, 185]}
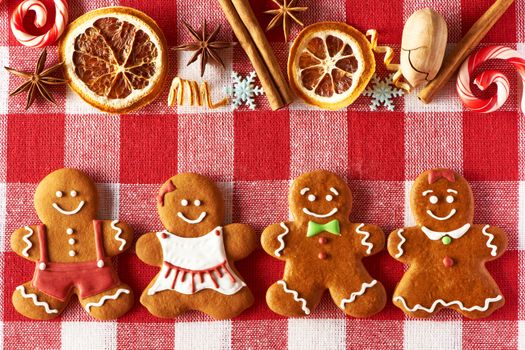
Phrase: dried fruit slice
{"type": "Point", "coordinates": [330, 64]}
{"type": "Point", "coordinates": [114, 58]}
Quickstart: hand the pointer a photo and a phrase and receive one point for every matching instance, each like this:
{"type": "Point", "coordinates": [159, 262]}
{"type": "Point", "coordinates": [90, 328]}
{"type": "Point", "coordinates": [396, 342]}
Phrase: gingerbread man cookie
{"type": "Point", "coordinates": [195, 253]}
{"type": "Point", "coordinates": [323, 250]}
{"type": "Point", "coordinates": [445, 252]}
{"type": "Point", "coordinates": [72, 252]}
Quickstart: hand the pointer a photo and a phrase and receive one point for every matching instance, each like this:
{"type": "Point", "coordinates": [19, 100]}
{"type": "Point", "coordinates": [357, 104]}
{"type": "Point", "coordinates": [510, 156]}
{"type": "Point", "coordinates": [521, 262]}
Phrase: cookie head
{"type": "Point", "coordinates": [190, 205]}
{"type": "Point", "coordinates": [66, 195]}
{"type": "Point", "coordinates": [442, 200]}
{"type": "Point", "coordinates": [320, 196]}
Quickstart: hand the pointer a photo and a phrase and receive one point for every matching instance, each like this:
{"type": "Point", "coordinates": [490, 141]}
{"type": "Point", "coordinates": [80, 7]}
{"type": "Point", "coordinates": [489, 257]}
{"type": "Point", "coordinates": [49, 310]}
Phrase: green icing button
{"type": "Point", "coordinates": [446, 240]}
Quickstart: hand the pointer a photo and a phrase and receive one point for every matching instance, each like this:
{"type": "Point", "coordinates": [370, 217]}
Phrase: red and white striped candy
{"type": "Point", "coordinates": [48, 38]}
{"type": "Point", "coordinates": [486, 78]}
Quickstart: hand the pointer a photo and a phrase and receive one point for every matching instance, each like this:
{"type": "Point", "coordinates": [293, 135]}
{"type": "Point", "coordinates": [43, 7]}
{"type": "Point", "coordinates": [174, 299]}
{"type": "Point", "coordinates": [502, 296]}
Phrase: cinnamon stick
{"type": "Point", "coordinates": [252, 39]}
{"type": "Point", "coordinates": [464, 48]}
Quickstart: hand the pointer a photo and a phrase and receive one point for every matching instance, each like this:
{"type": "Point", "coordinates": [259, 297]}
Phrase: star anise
{"type": "Point", "coordinates": [205, 46]}
{"type": "Point", "coordinates": [283, 14]}
{"type": "Point", "coordinates": [38, 81]}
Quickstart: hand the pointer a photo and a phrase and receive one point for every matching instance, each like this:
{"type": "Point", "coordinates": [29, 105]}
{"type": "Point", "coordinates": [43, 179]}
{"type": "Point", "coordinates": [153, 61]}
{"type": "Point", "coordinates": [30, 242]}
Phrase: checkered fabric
{"type": "Point", "coordinates": [253, 155]}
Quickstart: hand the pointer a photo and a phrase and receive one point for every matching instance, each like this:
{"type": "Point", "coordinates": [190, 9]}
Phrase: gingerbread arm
{"type": "Point", "coordinates": [370, 237]}
{"type": "Point", "coordinates": [24, 242]}
{"type": "Point", "coordinates": [118, 237]}
{"type": "Point", "coordinates": [149, 250]}
{"type": "Point", "coordinates": [397, 246]}
{"type": "Point", "coordinates": [240, 240]}
{"type": "Point", "coordinates": [273, 240]}
{"type": "Point", "coordinates": [494, 241]}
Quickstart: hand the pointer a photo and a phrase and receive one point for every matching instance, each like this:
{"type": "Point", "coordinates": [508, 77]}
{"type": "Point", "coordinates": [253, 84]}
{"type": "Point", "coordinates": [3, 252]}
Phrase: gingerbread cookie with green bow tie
{"type": "Point", "coordinates": [323, 251]}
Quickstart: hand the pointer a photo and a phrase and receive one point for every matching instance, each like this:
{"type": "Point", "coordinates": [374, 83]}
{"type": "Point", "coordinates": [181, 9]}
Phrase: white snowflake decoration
{"type": "Point", "coordinates": [382, 92]}
{"type": "Point", "coordinates": [244, 90]}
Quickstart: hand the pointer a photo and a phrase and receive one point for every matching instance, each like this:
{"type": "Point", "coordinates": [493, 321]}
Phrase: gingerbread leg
{"type": "Point", "coordinates": [293, 296]}
{"type": "Point", "coordinates": [110, 304]}
{"type": "Point", "coordinates": [165, 304]}
{"type": "Point", "coordinates": [361, 299]}
{"type": "Point", "coordinates": [225, 306]}
{"type": "Point", "coordinates": [32, 303]}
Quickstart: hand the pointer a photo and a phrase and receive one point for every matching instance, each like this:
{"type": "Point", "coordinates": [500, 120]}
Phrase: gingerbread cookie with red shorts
{"type": "Point", "coordinates": [195, 253]}
{"type": "Point", "coordinates": [71, 251]}
{"type": "Point", "coordinates": [323, 250]}
{"type": "Point", "coordinates": [445, 252]}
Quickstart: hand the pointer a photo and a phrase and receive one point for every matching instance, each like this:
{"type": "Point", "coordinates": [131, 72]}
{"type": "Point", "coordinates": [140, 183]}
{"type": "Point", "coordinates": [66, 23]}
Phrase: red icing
{"type": "Point", "coordinates": [220, 270]}
{"type": "Point", "coordinates": [435, 175]}
{"type": "Point", "coordinates": [323, 240]}
{"type": "Point", "coordinates": [59, 279]}
{"type": "Point", "coordinates": [166, 188]}
{"type": "Point", "coordinates": [217, 232]}
{"type": "Point", "coordinates": [448, 262]}
{"type": "Point", "coordinates": [164, 235]}
{"type": "Point", "coordinates": [322, 256]}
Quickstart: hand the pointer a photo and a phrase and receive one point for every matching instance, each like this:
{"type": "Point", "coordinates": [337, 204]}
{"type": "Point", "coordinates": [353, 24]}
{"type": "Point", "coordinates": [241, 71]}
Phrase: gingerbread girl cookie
{"type": "Point", "coordinates": [323, 250]}
{"type": "Point", "coordinates": [445, 252]}
{"type": "Point", "coordinates": [195, 253]}
{"type": "Point", "coordinates": [72, 252]}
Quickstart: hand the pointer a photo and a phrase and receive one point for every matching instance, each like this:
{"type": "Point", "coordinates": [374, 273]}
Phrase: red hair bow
{"type": "Point", "coordinates": [435, 175]}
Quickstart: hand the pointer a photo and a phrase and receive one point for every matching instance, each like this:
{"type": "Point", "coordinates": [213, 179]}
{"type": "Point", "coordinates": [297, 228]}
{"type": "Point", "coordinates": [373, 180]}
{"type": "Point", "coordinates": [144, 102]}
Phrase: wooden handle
{"type": "Point", "coordinates": [464, 48]}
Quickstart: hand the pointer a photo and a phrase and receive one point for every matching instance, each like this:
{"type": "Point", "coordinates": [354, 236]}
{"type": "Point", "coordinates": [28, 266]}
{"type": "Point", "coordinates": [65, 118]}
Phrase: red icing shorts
{"type": "Point", "coordinates": [58, 279]}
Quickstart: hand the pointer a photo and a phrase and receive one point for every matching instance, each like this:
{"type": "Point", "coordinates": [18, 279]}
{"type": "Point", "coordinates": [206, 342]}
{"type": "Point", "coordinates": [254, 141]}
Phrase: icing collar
{"type": "Point", "coordinates": [436, 235]}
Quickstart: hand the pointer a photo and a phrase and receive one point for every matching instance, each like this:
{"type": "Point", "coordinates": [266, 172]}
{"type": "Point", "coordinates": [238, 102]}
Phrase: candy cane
{"type": "Point", "coordinates": [488, 77]}
{"type": "Point", "coordinates": [48, 38]}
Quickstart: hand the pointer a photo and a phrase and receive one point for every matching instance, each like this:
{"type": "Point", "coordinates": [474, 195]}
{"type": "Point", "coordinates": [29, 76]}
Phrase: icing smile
{"type": "Point", "coordinates": [69, 212]}
{"type": "Point", "coordinates": [441, 218]}
{"type": "Point", "coordinates": [311, 213]}
{"type": "Point", "coordinates": [190, 221]}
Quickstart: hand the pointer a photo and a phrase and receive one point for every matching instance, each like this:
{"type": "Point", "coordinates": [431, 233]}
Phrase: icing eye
{"type": "Point", "coordinates": [449, 199]}
{"type": "Point", "coordinates": [329, 197]}
{"type": "Point", "coordinates": [59, 194]}
{"type": "Point", "coordinates": [73, 193]}
{"type": "Point", "coordinates": [184, 202]}
{"type": "Point", "coordinates": [197, 203]}
{"type": "Point", "coordinates": [433, 199]}
{"type": "Point", "coordinates": [311, 197]}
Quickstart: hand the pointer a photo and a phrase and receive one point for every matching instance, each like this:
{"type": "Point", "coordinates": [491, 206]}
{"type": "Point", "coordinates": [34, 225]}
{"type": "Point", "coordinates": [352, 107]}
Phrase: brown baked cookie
{"type": "Point", "coordinates": [323, 250]}
{"type": "Point", "coordinates": [195, 252]}
{"type": "Point", "coordinates": [72, 251]}
{"type": "Point", "coordinates": [445, 252]}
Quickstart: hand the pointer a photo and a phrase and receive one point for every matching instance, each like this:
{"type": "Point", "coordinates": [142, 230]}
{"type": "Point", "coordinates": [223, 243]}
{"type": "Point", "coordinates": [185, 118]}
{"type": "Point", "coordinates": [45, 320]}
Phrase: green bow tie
{"type": "Point", "coordinates": [314, 228]}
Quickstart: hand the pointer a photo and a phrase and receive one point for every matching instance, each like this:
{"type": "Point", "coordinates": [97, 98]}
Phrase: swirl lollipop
{"type": "Point", "coordinates": [486, 78]}
{"type": "Point", "coordinates": [26, 38]}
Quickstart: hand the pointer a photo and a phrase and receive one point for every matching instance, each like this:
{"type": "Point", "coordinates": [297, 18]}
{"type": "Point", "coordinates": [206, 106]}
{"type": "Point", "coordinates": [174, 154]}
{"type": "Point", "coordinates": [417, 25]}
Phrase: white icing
{"type": "Point", "coordinates": [436, 235]}
{"type": "Point", "coordinates": [295, 294]}
{"type": "Point", "coordinates": [28, 243]}
{"type": "Point", "coordinates": [107, 297]}
{"type": "Point", "coordinates": [433, 199]}
{"type": "Point", "coordinates": [73, 193]}
{"type": "Point", "coordinates": [493, 247]}
{"type": "Point", "coordinates": [42, 266]}
{"type": "Point", "coordinates": [184, 202]}
{"type": "Point", "coordinates": [427, 192]}
{"type": "Point", "coordinates": [329, 197]}
{"type": "Point", "coordinates": [311, 213]}
{"type": "Point", "coordinates": [400, 250]}
{"type": "Point", "coordinates": [441, 218]}
{"type": "Point", "coordinates": [69, 231]}
{"type": "Point", "coordinates": [364, 240]}
{"type": "Point", "coordinates": [33, 297]}
{"type": "Point", "coordinates": [203, 253]}
{"type": "Point", "coordinates": [311, 197]}
{"type": "Point", "coordinates": [197, 203]}
{"type": "Point", "coordinates": [334, 191]}
{"type": "Point", "coordinates": [450, 199]}
{"type": "Point", "coordinates": [100, 263]}
{"type": "Point", "coordinates": [117, 235]}
{"type": "Point", "coordinates": [190, 221]}
{"type": "Point", "coordinates": [452, 191]}
{"type": "Point", "coordinates": [71, 241]}
{"type": "Point", "coordinates": [447, 304]}
{"type": "Point", "coordinates": [58, 194]}
{"type": "Point", "coordinates": [354, 295]}
{"type": "Point", "coordinates": [280, 239]}
{"type": "Point", "coordinates": [69, 212]}
{"type": "Point", "coordinates": [304, 190]}
{"type": "Point", "coordinates": [72, 253]}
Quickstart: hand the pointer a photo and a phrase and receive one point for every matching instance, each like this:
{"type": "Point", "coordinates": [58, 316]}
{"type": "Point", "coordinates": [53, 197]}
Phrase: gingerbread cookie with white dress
{"type": "Point", "coordinates": [323, 250]}
{"type": "Point", "coordinates": [445, 252]}
{"type": "Point", "coordinates": [72, 251]}
{"type": "Point", "coordinates": [195, 252]}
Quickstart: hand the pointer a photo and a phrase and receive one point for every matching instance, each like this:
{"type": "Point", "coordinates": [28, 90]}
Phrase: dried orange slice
{"type": "Point", "coordinates": [330, 64]}
{"type": "Point", "coordinates": [114, 58]}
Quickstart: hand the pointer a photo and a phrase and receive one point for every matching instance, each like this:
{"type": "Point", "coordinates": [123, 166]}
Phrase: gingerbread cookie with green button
{"type": "Point", "coordinates": [445, 252]}
{"type": "Point", "coordinates": [323, 250]}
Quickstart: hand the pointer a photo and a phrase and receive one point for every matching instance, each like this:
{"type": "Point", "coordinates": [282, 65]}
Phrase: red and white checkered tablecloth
{"type": "Point", "coordinates": [253, 155]}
